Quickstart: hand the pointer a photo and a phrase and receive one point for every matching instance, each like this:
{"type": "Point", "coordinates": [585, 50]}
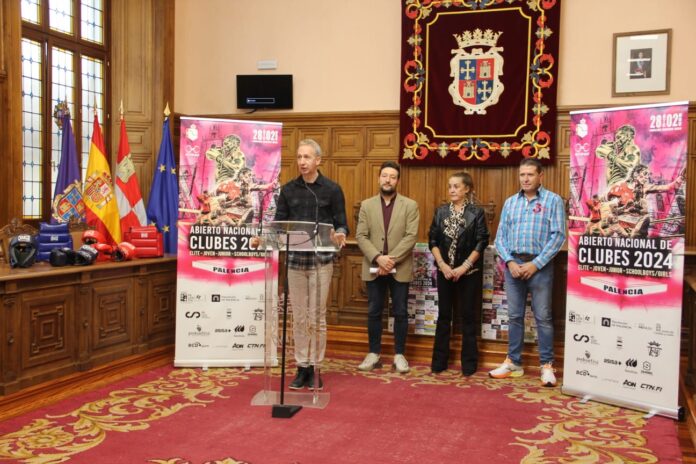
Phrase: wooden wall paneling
{"type": "Point", "coordinates": [162, 12]}
{"type": "Point", "coordinates": [563, 130]}
{"type": "Point", "coordinates": [3, 45]}
{"type": "Point", "coordinates": [142, 77]}
{"type": "Point", "coordinates": [562, 177]}
{"type": "Point", "coordinates": [383, 142]}
{"type": "Point", "coordinates": [333, 303]}
{"type": "Point", "coordinates": [691, 184]}
{"type": "Point", "coordinates": [426, 187]}
{"type": "Point", "coordinates": [288, 167]}
{"type": "Point", "coordinates": [347, 142]}
{"type": "Point", "coordinates": [288, 141]}
{"type": "Point", "coordinates": [348, 173]}
{"type": "Point", "coordinates": [321, 135]}
{"type": "Point", "coordinates": [133, 60]}
{"type": "Point", "coordinates": [353, 305]}
{"type": "Point", "coordinates": [371, 177]}
{"type": "Point", "coordinates": [288, 170]}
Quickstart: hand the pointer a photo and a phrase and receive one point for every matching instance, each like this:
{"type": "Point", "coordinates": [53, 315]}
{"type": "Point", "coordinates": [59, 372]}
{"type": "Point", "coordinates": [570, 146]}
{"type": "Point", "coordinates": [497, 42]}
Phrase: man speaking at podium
{"type": "Point", "coordinates": [314, 198]}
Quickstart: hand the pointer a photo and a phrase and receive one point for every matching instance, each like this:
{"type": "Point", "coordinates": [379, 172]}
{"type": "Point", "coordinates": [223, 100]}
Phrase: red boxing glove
{"type": "Point", "coordinates": [91, 237]}
{"type": "Point", "coordinates": [104, 250]}
{"type": "Point", "coordinates": [123, 252]}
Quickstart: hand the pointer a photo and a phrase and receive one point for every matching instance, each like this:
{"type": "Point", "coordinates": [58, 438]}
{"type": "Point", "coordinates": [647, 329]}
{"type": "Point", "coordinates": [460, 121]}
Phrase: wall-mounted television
{"type": "Point", "coordinates": [258, 91]}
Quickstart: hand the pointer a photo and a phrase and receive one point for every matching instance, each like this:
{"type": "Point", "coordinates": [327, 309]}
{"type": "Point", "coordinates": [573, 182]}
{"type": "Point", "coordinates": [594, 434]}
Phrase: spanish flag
{"type": "Point", "coordinates": [98, 193]}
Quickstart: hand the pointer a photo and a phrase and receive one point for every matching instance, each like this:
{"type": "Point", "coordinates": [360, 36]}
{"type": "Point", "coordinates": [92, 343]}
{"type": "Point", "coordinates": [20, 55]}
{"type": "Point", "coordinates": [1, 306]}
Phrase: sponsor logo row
{"type": "Point", "coordinates": [193, 298]}
{"type": "Point", "coordinates": [234, 346]}
{"type": "Point", "coordinates": [578, 318]}
{"type": "Point", "coordinates": [258, 314]}
{"type": "Point", "coordinates": [627, 383]}
{"type": "Point", "coordinates": [236, 331]}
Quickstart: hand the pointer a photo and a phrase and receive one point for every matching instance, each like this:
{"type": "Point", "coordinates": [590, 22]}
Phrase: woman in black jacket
{"type": "Point", "coordinates": [458, 236]}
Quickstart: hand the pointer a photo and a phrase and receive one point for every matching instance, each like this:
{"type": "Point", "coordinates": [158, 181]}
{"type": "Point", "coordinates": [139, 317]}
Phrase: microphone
{"type": "Point", "coordinates": [316, 208]}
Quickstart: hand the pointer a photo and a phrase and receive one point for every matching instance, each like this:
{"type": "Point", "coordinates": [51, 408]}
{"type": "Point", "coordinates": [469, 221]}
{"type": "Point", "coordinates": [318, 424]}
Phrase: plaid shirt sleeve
{"type": "Point", "coordinates": [502, 241]}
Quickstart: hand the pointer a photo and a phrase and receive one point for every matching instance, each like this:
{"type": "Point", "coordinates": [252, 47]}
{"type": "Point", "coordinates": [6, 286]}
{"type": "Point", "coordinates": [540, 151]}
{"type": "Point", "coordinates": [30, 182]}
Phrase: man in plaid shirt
{"type": "Point", "coordinates": [530, 233]}
{"type": "Point", "coordinates": [311, 197]}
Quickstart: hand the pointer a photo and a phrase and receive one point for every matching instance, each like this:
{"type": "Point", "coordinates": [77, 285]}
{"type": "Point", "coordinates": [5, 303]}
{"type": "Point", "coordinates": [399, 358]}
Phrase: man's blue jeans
{"type": "Point", "coordinates": [376, 293]}
{"type": "Point", "coordinates": [540, 286]}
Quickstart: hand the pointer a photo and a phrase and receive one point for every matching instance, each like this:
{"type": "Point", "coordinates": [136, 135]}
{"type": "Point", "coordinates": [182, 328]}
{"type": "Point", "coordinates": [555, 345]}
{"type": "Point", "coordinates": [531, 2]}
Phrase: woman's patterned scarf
{"type": "Point", "coordinates": [453, 224]}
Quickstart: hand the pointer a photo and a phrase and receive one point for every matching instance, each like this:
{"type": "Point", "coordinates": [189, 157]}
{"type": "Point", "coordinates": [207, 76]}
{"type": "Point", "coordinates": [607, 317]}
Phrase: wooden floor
{"type": "Point", "coordinates": [54, 391]}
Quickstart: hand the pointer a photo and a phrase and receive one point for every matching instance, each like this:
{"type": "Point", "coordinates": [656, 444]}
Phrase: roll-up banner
{"type": "Point", "coordinates": [228, 184]}
{"type": "Point", "coordinates": [626, 255]}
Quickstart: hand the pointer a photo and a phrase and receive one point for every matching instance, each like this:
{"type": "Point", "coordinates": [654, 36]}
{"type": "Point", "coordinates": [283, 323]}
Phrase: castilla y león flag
{"type": "Point", "coordinates": [99, 195]}
{"type": "Point", "coordinates": [130, 200]}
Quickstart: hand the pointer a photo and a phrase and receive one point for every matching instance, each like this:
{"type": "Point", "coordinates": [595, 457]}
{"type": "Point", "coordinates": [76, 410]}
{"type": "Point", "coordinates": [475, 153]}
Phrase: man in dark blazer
{"type": "Point", "coordinates": [386, 233]}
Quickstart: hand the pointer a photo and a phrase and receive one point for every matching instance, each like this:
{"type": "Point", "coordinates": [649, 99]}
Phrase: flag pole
{"type": "Point", "coordinates": [167, 112]}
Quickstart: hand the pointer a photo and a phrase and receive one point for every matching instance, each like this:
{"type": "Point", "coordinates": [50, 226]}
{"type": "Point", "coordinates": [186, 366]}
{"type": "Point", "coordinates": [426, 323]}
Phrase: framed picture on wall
{"type": "Point", "coordinates": [641, 63]}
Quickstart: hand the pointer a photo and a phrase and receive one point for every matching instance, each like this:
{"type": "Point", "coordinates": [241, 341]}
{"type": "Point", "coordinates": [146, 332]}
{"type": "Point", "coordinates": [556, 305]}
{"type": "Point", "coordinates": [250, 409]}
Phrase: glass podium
{"type": "Point", "coordinates": [295, 237]}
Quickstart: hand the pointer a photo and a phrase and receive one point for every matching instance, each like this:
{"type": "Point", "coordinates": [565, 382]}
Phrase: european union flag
{"type": "Point", "coordinates": [163, 206]}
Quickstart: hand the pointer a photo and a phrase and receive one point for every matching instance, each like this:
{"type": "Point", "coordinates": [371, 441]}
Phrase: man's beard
{"type": "Point", "coordinates": [387, 192]}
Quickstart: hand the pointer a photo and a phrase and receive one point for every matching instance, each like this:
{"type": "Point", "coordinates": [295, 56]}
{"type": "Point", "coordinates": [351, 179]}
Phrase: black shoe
{"type": "Point", "coordinates": [436, 367]}
{"type": "Point", "coordinates": [469, 370]}
{"type": "Point", "coordinates": [310, 380]}
{"type": "Point", "coordinates": [300, 379]}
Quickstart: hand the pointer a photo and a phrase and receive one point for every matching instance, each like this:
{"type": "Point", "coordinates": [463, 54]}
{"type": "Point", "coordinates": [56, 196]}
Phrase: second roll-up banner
{"type": "Point", "coordinates": [626, 255]}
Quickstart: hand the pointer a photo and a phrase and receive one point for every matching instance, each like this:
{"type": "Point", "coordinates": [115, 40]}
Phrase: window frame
{"type": "Point", "coordinates": [49, 38]}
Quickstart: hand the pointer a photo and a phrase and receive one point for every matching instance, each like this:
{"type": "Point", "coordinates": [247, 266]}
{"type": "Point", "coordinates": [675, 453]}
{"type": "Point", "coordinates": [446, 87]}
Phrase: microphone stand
{"type": "Point", "coordinates": [282, 410]}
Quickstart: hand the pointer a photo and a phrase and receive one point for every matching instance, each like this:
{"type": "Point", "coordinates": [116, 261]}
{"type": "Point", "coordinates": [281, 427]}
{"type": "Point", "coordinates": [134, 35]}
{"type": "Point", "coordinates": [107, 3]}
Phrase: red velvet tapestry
{"type": "Point", "coordinates": [479, 81]}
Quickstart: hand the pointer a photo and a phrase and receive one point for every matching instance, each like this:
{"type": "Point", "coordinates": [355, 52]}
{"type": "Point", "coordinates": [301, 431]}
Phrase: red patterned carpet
{"type": "Point", "coordinates": [181, 416]}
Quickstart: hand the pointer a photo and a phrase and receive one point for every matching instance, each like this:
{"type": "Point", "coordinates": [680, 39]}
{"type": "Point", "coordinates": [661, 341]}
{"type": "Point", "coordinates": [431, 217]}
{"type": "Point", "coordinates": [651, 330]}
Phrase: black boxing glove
{"type": "Point", "coordinates": [125, 251]}
{"type": "Point", "coordinates": [86, 255]}
{"type": "Point", "coordinates": [60, 257]}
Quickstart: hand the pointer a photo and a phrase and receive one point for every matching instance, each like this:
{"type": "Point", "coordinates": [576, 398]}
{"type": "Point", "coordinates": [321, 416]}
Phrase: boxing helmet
{"type": "Point", "coordinates": [92, 237]}
{"type": "Point", "coordinates": [22, 251]}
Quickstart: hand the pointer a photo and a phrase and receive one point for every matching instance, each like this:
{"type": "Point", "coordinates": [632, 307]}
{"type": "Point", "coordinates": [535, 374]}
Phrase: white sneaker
{"type": "Point", "coordinates": [548, 379]}
{"type": "Point", "coordinates": [370, 362]}
{"type": "Point", "coordinates": [507, 369]}
{"type": "Point", "coordinates": [400, 364]}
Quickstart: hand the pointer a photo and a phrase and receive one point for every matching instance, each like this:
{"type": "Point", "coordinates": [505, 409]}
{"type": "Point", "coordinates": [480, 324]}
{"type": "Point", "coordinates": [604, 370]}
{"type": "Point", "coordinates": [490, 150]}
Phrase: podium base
{"type": "Point", "coordinates": [284, 411]}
